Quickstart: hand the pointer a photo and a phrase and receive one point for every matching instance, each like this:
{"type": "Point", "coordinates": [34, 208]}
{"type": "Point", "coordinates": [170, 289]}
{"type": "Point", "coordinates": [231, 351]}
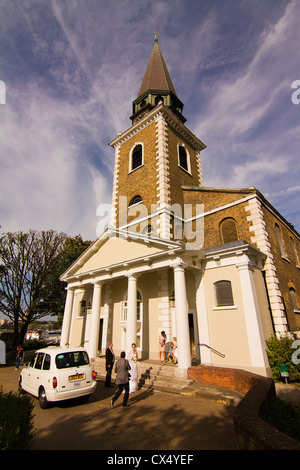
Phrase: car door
{"type": "Point", "coordinates": [27, 374]}
{"type": "Point", "coordinates": [36, 373]}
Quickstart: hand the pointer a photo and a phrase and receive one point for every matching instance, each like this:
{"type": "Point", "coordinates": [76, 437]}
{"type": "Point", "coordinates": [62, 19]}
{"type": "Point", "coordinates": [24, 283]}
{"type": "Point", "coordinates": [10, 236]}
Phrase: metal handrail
{"type": "Point", "coordinates": [212, 349]}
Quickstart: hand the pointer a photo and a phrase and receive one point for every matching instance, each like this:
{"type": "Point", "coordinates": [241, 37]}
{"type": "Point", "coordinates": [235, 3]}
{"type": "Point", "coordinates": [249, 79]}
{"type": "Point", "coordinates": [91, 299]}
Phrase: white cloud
{"type": "Point", "coordinates": [245, 112]}
{"type": "Point", "coordinates": [44, 176]}
{"type": "Point", "coordinates": [74, 69]}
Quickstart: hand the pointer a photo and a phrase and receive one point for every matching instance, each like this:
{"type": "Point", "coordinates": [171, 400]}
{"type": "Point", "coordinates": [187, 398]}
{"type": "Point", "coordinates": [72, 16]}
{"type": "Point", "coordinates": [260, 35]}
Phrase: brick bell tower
{"type": "Point", "coordinates": [154, 157]}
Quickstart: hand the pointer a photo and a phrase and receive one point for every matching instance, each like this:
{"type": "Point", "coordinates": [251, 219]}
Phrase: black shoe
{"type": "Point", "coordinates": [125, 405]}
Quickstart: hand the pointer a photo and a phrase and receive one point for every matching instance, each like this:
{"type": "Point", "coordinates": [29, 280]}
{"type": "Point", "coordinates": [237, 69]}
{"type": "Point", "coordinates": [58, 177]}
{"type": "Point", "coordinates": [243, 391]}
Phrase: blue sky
{"type": "Point", "coordinates": [73, 67]}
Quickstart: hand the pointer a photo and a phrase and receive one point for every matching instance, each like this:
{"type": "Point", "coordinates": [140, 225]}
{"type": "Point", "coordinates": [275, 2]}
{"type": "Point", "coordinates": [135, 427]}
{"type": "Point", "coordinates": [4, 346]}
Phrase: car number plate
{"type": "Point", "coordinates": [76, 377]}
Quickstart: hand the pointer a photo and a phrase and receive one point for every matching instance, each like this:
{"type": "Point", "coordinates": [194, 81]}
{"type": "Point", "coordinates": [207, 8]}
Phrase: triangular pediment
{"type": "Point", "coordinates": [115, 249]}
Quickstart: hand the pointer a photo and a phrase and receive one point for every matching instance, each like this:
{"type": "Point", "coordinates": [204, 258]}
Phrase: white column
{"type": "Point", "coordinates": [256, 340]}
{"type": "Point", "coordinates": [95, 321]}
{"type": "Point", "coordinates": [65, 331]}
{"type": "Point", "coordinates": [131, 325]}
{"type": "Point", "coordinates": [182, 322]}
{"type": "Point", "coordinates": [204, 338]}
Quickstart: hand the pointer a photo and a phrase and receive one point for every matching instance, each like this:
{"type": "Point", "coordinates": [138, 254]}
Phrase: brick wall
{"type": "Point", "coordinates": [216, 199]}
{"type": "Point", "coordinates": [252, 433]}
{"type": "Point", "coordinates": [288, 273]}
{"type": "Point", "coordinates": [141, 181]}
{"type": "Point", "coordinates": [233, 379]}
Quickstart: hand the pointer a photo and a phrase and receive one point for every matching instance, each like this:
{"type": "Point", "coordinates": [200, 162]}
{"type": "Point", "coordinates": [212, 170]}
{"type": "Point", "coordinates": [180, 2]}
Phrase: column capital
{"type": "Point", "coordinates": [247, 265]}
{"type": "Point", "coordinates": [132, 275]}
{"type": "Point", "coordinates": [97, 283]}
{"type": "Point", "coordinates": [179, 266]}
{"type": "Point", "coordinates": [71, 288]}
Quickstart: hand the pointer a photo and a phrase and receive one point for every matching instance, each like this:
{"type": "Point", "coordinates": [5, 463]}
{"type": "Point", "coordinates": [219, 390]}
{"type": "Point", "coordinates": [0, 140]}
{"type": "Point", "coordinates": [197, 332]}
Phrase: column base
{"type": "Point", "coordinates": [181, 373]}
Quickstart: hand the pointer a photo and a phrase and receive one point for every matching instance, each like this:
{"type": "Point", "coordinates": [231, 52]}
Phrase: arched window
{"type": "Point", "coordinates": [228, 230]}
{"type": "Point", "coordinates": [148, 230]}
{"type": "Point", "coordinates": [158, 99]}
{"type": "Point", "coordinates": [294, 251]}
{"type": "Point", "coordinates": [294, 300]}
{"type": "Point", "coordinates": [136, 157]}
{"type": "Point", "coordinates": [184, 158]}
{"type": "Point", "coordinates": [139, 319]}
{"type": "Point", "coordinates": [139, 305]}
{"type": "Point", "coordinates": [139, 308]}
{"type": "Point", "coordinates": [223, 292]}
{"type": "Point", "coordinates": [280, 242]}
{"type": "Point", "coordinates": [135, 200]}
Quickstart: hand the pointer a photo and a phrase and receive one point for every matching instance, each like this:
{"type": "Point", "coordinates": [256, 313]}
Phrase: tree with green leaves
{"type": "Point", "coordinates": [30, 266]}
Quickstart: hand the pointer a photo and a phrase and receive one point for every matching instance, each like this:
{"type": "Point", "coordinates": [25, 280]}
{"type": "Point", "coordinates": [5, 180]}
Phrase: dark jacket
{"type": "Point", "coordinates": [110, 358]}
{"type": "Point", "coordinates": [122, 368]}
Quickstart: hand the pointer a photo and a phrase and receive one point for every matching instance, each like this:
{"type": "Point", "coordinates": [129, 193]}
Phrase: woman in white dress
{"type": "Point", "coordinates": [132, 357]}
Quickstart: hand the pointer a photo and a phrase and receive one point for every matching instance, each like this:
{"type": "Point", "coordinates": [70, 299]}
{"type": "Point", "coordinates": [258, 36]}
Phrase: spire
{"type": "Point", "coordinates": [156, 76]}
{"type": "Point", "coordinates": [156, 86]}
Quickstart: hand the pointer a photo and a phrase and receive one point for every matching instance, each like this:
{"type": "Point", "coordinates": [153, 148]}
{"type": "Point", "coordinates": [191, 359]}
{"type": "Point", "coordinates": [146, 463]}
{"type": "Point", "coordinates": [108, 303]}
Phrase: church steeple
{"type": "Point", "coordinates": [155, 157]}
{"type": "Point", "coordinates": [156, 86]}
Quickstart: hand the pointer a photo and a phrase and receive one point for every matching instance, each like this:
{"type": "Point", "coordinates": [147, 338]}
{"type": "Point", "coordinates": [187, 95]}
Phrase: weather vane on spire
{"type": "Point", "coordinates": [156, 34]}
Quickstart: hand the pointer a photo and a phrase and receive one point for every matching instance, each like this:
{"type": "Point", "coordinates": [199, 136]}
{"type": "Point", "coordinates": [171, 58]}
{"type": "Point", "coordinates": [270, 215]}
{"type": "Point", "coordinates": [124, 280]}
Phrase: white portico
{"type": "Point", "coordinates": [106, 281]}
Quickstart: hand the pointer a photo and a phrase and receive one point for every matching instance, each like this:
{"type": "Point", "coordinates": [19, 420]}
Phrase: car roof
{"type": "Point", "coordinates": [60, 350]}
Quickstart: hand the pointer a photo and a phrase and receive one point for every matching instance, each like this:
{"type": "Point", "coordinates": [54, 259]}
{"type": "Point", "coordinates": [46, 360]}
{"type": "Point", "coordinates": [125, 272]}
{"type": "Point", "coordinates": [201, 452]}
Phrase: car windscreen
{"type": "Point", "coordinates": [71, 359]}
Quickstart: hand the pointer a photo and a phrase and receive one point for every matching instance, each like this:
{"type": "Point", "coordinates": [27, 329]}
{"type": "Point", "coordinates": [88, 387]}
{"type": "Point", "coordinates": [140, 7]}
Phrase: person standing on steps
{"type": "Point", "coordinates": [122, 380]}
{"type": "Point", "coordinates": [132, 358]}
{"type": "Point", "coordinates": [110, 360]}
{"type": "Point", "coordinates": [162, 345]}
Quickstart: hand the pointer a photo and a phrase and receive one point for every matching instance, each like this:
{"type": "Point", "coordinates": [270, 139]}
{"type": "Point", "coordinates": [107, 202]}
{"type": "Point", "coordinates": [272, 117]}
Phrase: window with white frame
{"type": "Point", "coordinates": [136, 157]}
{"type": "Point", "coordinates": [184, 161]}
{"type": "Point", "coordinates": [139, 308]}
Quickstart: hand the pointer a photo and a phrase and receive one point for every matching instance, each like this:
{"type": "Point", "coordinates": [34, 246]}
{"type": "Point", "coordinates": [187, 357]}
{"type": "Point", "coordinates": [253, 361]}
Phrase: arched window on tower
{"type": "Point", "coordinates": [135, 200]}
{"type": "Point", "coordinates": [184, 158]}
{"type": "Point", "coordinates": [148, 230]}
{"type": "Point", "coordinates": [159, 99]}
{"type": "Point", "coordinates": [136, 159]}
{"type": "Point", "coordinates": [228, 230]}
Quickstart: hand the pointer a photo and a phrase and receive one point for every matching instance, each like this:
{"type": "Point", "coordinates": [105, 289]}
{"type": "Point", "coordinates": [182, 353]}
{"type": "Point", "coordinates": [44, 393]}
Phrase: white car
{"type": "Point", "coordinates": [56, 373]}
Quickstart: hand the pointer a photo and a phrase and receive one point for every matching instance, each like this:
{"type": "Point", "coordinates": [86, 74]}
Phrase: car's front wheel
{"type": "Point", "coordinates": [43, 399]}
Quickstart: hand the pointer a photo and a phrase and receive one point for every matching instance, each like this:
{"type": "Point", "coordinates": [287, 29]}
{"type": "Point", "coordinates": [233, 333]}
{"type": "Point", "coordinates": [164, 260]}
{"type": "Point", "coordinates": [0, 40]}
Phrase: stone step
{"type": "Point", "coordinates": [162, 377]}
{"type": "Point", "coordinates": [154, 375]}
{"type": "Point", "coordinates": [213, 393]}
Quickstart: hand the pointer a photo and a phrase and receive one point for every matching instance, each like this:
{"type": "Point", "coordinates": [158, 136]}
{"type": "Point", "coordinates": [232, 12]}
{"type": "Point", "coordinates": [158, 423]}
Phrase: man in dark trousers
{"type": "Point", "coordinates": [110, 359]}
{"type": "Point", "coordinates": [122, 380]}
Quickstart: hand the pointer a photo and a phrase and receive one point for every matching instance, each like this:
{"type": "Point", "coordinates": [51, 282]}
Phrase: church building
{"type": "Point", "coordinates": [217, 268]}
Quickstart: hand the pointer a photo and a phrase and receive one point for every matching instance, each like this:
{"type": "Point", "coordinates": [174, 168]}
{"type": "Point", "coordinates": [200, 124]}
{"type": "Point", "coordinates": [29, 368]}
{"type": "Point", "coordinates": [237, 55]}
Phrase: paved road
{"type": "Point", "coordinates": [153, 421]}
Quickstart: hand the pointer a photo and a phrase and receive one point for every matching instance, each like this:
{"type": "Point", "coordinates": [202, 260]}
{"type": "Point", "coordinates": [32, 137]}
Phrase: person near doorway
{"type": "Point", "coordinates": [110, 360]}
